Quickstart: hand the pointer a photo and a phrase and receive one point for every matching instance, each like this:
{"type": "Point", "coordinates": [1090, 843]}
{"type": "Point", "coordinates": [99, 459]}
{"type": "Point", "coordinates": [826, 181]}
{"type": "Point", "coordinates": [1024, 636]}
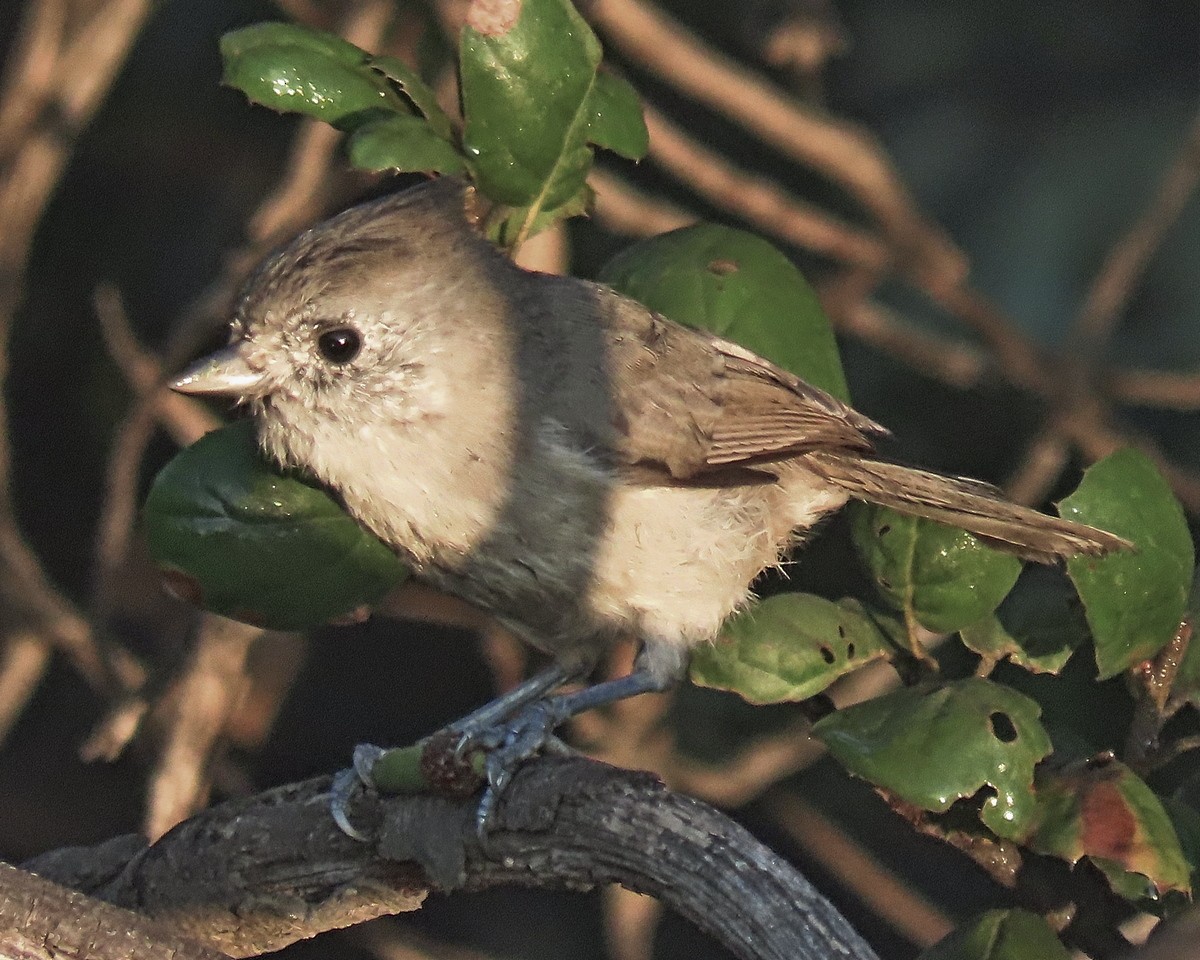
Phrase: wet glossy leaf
{"type": "Point", "coordinates": [417, 90]}
{"type": "Point", "coordinates": [532, 102]}
{"type": "Point", "coordinates": [616, 123]}
{"type": "Point", "coordinates": [940, 577]}
{"type": "Point", "coordinates": [525, 220]}
{"type": "Point", "coordinates": [295, 69]}
{"type": "Point", "coordinates": [1106, 812]}
{"type": "Point", "coordinates": [1134, 600]}
{"type": "Point", "coordinates": [235, 536]}
{"type": "Point", "coordinates": [932, 747]}
{"type": "Point", "coordinates": [788, 647]}
{"type": "Point", "coordinates": [737, 285]}
{"type": "Point", "coordinates": [404, 143]}
{"type": "Point", "coordinates": [1000, 935]}
{"type": "Point", "coordinates": [1038, 626]}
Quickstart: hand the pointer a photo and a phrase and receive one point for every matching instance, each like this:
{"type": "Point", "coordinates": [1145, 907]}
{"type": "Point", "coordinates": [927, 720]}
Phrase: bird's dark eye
{"type": "Point", "coordinates": [340, 345]}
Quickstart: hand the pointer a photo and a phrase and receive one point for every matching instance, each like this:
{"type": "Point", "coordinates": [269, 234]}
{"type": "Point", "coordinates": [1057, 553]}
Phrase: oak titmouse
{"type": "Point", "coordinates": [551, 451]}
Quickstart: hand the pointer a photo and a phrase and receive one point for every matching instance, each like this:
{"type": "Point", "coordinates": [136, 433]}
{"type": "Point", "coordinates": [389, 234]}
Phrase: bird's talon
{"type": "Point", "coordinates": [346, 784]}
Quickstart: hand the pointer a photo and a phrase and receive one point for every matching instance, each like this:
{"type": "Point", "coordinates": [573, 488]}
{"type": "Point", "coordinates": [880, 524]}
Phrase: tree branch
{"type": "Point", "coordinates": [255, 875]}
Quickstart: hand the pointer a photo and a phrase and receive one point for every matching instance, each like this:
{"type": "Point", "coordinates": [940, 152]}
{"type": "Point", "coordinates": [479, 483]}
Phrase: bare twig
{"type": "Point", "coordinates": [209, 691]}
{"type": "Point", "coordinates": [23, 662]}
{"type": "Point", "coordinates": [82, 64]}
{"type": "Point", "coordinates": [622, 208]}
{"type": "Point", "coordinates": [1129, 257]}
{"type": "Point", "coordinates": [759, 200]}
{"type": "Point", "coordinates": [1166, 389]}
{"type": "Point", "coordinates": [844, 153]}
{"type": "Point", "coordinates": [887, 895]}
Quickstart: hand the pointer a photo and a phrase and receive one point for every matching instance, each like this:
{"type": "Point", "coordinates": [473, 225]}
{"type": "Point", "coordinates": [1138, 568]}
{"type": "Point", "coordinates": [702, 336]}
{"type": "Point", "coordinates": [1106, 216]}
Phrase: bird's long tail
{"type": "Point", "coordinates": [968, 504]}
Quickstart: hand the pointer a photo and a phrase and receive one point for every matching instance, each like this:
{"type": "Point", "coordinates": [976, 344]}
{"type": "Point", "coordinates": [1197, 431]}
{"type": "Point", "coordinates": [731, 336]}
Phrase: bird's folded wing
{"type": "Point", "coordinates": [695, 403]}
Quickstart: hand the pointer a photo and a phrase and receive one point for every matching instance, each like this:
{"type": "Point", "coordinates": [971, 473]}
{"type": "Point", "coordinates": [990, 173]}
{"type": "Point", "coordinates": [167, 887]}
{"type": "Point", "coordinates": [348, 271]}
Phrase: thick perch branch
{"type": "Point", "coordinates": [253, 876]}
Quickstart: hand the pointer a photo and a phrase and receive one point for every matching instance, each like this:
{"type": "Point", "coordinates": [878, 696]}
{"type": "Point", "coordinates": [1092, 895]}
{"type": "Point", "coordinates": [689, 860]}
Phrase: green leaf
{"type": "Point", "coordinates": [1000, 935]}
{"type": "Point", "coordinates": [932, 747]}
{"type": "Point", "coordinates": [1134, 600]}
{"type": "Point", "coordinates": [734, 284]}
{"type": "Point", "coordinates": [402, 142]}
{"type": "Point", "coordinates": [788, 647]}
{"type": "Point", "coordinates": [235, 536]}
{"type": "Point", "coordinates": [295, 69]}
{"type": "Point", "coordinates": [1186, 821]}
{"type": "Point", "coordinates": [417, 90]}
{"type": "Point", "coordinates": [1106, 812]}
{"type": "Point", "coordinates": [938, 576]}
{"type": "Point", "coordinates": [1038, 626]}
{"type": "Point", "coordinates": [531, 106]}
{"type": "Point", "coordinates": [616, 122]}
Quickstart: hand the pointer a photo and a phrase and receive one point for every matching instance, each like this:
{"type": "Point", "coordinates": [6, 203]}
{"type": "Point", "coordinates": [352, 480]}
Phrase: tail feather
{"type": "Point", "coordinates": [968, 504]}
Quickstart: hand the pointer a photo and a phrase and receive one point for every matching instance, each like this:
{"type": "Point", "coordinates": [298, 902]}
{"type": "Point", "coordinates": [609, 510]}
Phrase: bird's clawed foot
{"type": "Point", "coordinates": [347, 784]}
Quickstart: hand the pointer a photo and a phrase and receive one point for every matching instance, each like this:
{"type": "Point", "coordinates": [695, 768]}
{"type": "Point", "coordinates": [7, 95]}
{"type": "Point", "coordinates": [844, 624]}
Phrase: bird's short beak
{"type": "Point", "coordinates": [225, 372]}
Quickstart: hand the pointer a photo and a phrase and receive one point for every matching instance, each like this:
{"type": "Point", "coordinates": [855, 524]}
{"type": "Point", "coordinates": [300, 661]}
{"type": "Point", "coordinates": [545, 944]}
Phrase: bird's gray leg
{"type": "Point", "coordinates": [483, 725]}
{"type": "Point", "coordinates": [483, 728]}
{"type": "Point", "coordinates": [533, 727]}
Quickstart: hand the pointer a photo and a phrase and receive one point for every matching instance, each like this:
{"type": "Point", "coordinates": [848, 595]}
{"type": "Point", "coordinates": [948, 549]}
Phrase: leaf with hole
{"type": "Point", "coordinates": [734, 284]}
{"type": "Point", "coordinates": [1134, 600]}
{"type": "Point", "coordinates": [931, 747]}
{"type": "Point", "coordinates": [233, 535]}
{"type": "Point", "coordinates": [939, 577]}
{"type": "Point", "coordinates": [788, 647]}
{"type": "Point", "coordinates": [1000, 935]}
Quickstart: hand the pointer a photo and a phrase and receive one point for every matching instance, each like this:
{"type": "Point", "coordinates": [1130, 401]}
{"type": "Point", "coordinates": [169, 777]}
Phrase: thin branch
{"type": "Point", "coordinates": [622, 208]}
{"type": "Point", "coordinates": [1164, 389]}
{"type": "Point", "coordinates": [887, 895]}
{"type": "Point", "coordinates": [1040, 468]}
{"type": "Point", "coordinates": [759, 200]}
{"type": "Point", "coordinates": [844, 153]}
{"type": "Point", "coordinates": [24, 658]}
{"type": "Point", "coordinates": [1129, 257]}
{"type": "Point", "coordinates": [207, 694]}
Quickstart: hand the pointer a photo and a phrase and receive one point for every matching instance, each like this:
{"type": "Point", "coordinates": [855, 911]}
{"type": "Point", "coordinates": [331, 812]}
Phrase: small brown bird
{"type": "Point", "coordinates": [553, 452]}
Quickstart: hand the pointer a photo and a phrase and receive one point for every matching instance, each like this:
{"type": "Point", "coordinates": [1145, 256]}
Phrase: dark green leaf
{"type": "Point", "coordinates": [295, 69]}
{"type": "Point", "coordinates": [1000, 935]}
{"type": "Point", "coordinates": [938, 576]}
{"type": "Point", "coordinates": [932, 747]}
{"type": "Point", "coordinates": [417, 90]}
{"type": "Point", "coordinates": [788, 647]}
{"type": "Point", "coordinates": [404, 143]}
{"type": "Point", "coordinates": [1134, 600]}
{"type": "Point", "coordinates": [235, 536]}
{"type": "Point", "coordinates": [617, 123]}
{"type": "Point", "coordinates": [1106, 812]}
{"type": "Point", "coordinates": [737, 285]}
